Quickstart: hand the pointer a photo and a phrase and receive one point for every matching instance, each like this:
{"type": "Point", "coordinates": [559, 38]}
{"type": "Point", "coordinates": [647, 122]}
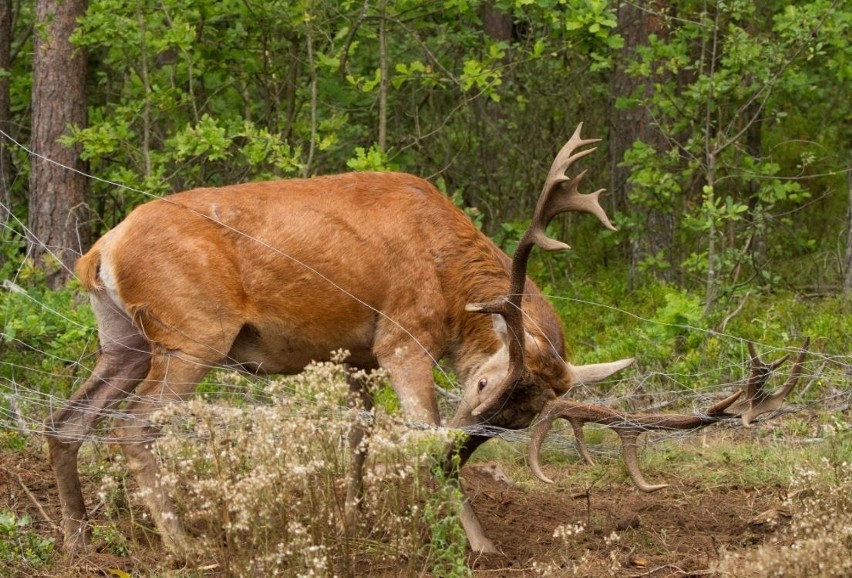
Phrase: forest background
{"type": "Point", "coordinates": [725, 132]}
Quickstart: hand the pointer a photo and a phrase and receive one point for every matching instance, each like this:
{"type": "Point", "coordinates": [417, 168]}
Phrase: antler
{"type": "Point", "coordinates": [630, 426]}
{"type": "Point", "coordinates": [757, 400]}
{"type": "Point", "coordinates": [559, 194]}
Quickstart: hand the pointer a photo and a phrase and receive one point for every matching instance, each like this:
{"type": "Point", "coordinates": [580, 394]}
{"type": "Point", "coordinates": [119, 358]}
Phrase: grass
{"type": "Point", "coordinates": [767, 455]}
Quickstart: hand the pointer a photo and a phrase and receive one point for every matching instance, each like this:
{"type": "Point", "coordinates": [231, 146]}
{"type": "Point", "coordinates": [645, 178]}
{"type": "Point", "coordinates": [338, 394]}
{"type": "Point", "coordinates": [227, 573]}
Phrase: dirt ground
{"type": "Point", "coordinates": [679, 531]}
{"type": "Point", "coordinates": [676, 532]}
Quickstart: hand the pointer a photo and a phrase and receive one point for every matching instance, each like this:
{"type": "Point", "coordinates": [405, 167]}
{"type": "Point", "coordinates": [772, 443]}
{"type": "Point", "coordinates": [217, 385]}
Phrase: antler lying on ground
{"type": "Point", "coordinates": [629, 426]}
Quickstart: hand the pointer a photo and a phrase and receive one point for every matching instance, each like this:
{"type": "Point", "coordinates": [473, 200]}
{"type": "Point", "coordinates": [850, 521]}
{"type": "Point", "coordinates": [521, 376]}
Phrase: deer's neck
{"type": "Point", "coordinates": [477, 271]}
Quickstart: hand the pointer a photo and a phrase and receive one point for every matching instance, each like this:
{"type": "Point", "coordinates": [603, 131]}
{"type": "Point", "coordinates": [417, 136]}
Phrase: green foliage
{"type": "Point", "coordinates": [385, 398]}
{"type": "Point", "coordinates": [447, 545]}
{"type": "Point", "coordinates": [45, 333]}
{"type": "Point", "coordinates": [717, 109]}
{"type": "Point", "coordinates": [115, 542]}
{"type": "Point", "coordinates": [484, 76]}
{"type": "Point", "coordinates": [12, 440]}
{"type": "Point", "coordinates": [371, 159]}
{"type": "Point", "coordinates": [679, 319]}
{"type": "Point", "coordinates": [22, 549]}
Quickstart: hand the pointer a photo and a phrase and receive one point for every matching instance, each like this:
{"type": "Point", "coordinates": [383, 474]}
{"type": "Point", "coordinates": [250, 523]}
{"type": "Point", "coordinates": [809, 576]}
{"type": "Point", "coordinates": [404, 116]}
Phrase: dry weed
{"type": "Point", "coordinates": [263, 487]}
{"type": "Point", "coordinates": [818, 542]}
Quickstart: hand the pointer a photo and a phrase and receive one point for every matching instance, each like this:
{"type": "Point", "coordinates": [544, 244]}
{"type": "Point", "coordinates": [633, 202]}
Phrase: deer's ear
{"type": "Point", "coordinates": [499, 325]}
{"type": "Point", "coordinates": [502, 331]}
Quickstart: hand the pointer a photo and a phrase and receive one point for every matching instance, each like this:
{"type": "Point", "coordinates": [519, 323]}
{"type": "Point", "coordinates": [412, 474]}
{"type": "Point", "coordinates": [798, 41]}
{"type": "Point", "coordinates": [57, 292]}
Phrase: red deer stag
{"type": "Point", "coordinates": [271, 276]}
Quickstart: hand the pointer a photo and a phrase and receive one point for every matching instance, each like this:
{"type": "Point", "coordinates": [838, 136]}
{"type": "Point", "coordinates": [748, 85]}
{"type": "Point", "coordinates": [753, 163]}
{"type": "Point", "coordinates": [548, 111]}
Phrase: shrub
{"type": "Point", "coordinates": [264, 487]}
{"type": "Point", "coordinates": [21, 546]}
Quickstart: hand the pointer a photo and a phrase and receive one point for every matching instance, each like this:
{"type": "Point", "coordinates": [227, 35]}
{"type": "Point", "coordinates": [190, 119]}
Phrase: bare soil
{"type": "Point", "coordinates": [678, 531]}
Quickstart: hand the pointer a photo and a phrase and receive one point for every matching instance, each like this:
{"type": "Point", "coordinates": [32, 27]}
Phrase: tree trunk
{"type": "Point", "coordinates": [5, 111]}
{"type": "Point", "coordinates": [384, 83]}
{"type": "Point", "coordinates": [847, 280]}
{"type": "Point", "coordinates": [491, 150]}
{"type": "Point", "coordinates": [58, 217]}
{"type": "Point", "coordinates": [496, 24]}
{"type": "Point", "coordinates": [712, 237]}
{"type": "Point", "coordinates": [309, 44]}
{"type": "Point", "coordinates": [631, 124]}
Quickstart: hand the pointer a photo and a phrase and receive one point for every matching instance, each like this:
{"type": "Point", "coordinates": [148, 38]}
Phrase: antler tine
{"type": "Point", "coordinates": [796, 372]}
{"type": "Point", "coordinates": [629, 438]}
{"type": "Point", "coordinates": [560, 193]}
{"type": "Point", "coordinates": [570, 411]}
{"type": "Point", "coordinates": [757, 362]}
{"type": "Point", "coordinates": [534, 449]}
{"type": "Point", "coordinates": [760, 371]}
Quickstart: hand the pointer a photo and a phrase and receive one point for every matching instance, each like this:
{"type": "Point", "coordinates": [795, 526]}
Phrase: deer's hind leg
{"type": "Point", "coordinates": [124, 361]}
{"type": "Point", "coordinates": [173, 377]}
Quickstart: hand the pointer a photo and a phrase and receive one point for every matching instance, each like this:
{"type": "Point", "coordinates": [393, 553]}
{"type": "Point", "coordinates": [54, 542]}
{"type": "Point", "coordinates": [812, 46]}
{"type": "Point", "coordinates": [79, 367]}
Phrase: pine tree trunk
{"type": "Point", "coordinates": [5, 111]}
{"type": "Point", "coordinates": [847, 280]}
{"type": "Point", "coordinates": [58, 217]}
{"type": "Point", "coordinates": [628, 125]}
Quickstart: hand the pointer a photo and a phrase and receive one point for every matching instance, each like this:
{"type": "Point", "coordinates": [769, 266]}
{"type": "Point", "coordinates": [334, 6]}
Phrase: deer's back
{"type": "Point", "coordinates": [314, 262]}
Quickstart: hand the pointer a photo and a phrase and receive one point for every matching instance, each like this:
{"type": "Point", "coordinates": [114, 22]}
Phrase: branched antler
{"type": "Point", "coordinates": [629, 426]}
{"type": "Point", "coordinates": [559, 194]}
{"type": "Point", "coordinates": [759, 401]}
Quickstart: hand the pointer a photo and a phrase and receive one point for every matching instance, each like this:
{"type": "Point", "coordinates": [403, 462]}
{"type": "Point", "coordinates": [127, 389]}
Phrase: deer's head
{"type": "Point", "coordinates": [512, 386]}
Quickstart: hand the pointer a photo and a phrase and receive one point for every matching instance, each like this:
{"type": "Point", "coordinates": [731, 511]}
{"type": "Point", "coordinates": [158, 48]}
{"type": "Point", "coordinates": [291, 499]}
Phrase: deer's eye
{"type": "Point", "coordinates": [482, 383]}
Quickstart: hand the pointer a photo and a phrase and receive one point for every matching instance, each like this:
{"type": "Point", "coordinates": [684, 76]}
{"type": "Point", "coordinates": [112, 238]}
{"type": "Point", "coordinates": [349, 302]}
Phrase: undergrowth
{"type": "Point", "coordinates": [263, 487]}
{"type": "Point", "coordinates": [21, 546]}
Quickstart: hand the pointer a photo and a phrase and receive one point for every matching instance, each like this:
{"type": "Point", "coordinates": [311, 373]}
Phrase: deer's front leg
{"type": "Point", "coordinates": [361, 399]}
{"type": "Point", "coordinates": [464, 448]}
{"type": "Point", "coordinates": [411, 377]}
